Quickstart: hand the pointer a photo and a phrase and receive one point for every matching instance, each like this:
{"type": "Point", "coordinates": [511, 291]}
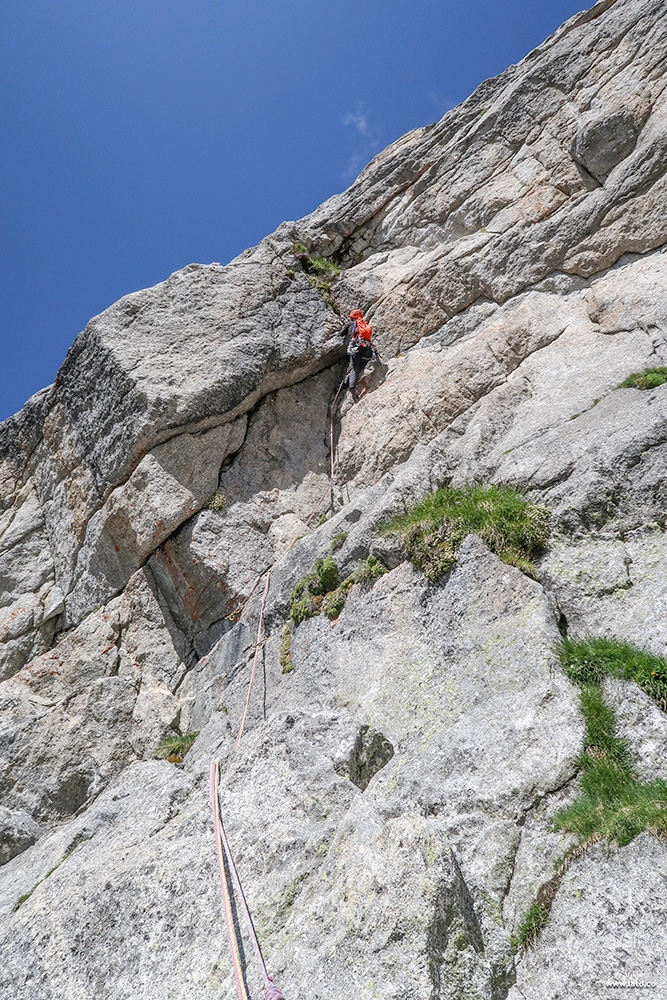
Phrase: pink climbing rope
{"type": "Point", "coordinates": [226, 895]}
{"type": "Point", "coordinates": [271, 991]}
{"type": "Point", "coordinates": [268, 576]}
{"type": "Point", "coordinates": [254, 664]}
{"type": "Point", "coordinates": [331, 433]}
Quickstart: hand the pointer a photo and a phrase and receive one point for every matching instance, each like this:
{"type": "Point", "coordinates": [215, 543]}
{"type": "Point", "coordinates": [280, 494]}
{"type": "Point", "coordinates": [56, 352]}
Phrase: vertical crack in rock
{"type": "Point", "coordinates": [458, 964]}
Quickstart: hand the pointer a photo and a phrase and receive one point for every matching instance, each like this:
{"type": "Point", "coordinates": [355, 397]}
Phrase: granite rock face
{"type": "Point", "coordinates": [391, 803]}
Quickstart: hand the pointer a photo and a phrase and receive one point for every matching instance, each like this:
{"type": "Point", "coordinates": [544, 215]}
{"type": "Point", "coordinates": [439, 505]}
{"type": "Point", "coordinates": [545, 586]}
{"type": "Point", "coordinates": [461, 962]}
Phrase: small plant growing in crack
{"type": "Point", "coordinates": [650, 378]}
{"type": "Point", "coordinates": [431, 533]}
{"type": "Point", "coordinates": [338, 541]}
{"type": "Point", "coordinates": [174, 748]}
{"type": "Point", "coordinates": [216, 502]}
{"type": "Point", "coordinates": [614, 805]}
{"type": "Point", "coordinates": [536, 917]}
{"type": "Point", "coordinates": [26, 895]}
{"type": "Point", "coordinates": [320, 591]}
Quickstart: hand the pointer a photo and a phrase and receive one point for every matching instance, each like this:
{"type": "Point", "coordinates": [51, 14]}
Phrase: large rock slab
{"type": "Point", "coordinates": [76, 715]}
{"type": "Point", "coordinates": [394, 863]}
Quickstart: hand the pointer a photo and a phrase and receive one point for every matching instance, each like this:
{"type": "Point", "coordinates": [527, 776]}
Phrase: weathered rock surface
{"type": "Point", "coordinates": [391, 803]}
{"type": "Point", "coordinates": [606, 934]}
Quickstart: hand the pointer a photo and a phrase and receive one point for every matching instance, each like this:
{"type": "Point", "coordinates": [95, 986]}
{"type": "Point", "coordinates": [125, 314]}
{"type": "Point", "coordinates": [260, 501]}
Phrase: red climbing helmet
{"type": "Point", "coordinates": [364, 329]}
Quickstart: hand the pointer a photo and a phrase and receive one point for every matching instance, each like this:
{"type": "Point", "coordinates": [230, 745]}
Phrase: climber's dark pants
{"type": "Point", "coordinates": [356, 371]}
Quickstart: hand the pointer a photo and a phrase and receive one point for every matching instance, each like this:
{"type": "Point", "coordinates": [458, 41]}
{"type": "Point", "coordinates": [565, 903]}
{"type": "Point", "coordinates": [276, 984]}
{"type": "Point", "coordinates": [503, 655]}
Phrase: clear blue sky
{"type": "Point", "coordinates": [140, 135]}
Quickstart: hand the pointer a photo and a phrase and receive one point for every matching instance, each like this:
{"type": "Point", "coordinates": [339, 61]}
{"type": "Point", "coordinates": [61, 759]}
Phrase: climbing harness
{"type": "Point", "coordinates": [226, 865]}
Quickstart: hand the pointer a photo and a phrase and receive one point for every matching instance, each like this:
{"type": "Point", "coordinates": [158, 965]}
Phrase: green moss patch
{"type": "Point", "coordinates": [650, 378]}
{"type": "Point", "coordinates": [306, 598]}
{"type": "Point", "coordinates": [286, 663]}
{"type": "Point", "coordinates": [217, 502]}
{"type": "Point", "coordinates": [320, 592]}
{"type": "Point", "coordinates": [432, 532]}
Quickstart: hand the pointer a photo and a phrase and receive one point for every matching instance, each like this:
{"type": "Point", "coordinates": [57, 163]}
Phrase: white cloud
{"type": "Point", "coordinates": [359, 120]}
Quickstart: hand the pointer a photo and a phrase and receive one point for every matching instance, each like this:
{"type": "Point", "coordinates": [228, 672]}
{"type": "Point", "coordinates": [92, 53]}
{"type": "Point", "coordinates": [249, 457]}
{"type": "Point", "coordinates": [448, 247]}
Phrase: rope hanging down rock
{"type": "Point", "coordinates": [258, 643]}
{"type": "Point", "coordinates": [225, 861]}
{"type": "Point", "coordinates": [254, 662]}
{"type": "Point", "coordinates": [271, 991]}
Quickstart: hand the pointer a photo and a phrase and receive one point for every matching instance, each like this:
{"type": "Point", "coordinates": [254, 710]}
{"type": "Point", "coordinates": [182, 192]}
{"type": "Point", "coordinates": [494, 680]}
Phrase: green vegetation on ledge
{"type": "Point", "coordinates": [588, 661]}
{"type": "Point", "coordinates": [432, 532]}
{"type": "Point", "coordinates": [320, 591]}
{"type": "Point", "coordinates": [306, 598]}
{"type": "Point", "coordinates": [650, 378]}
{"type": "Point", "coordinates": [614, 805]}
{"type": "Point", "coordinates": [174, 748]}
{"type": "Point", "coordinates": [319, 271]}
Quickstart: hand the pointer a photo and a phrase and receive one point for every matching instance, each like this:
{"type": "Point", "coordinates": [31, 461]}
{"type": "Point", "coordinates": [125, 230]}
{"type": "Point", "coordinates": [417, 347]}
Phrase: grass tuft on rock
{"type": "Point", "coordinates": [650, 378]}
{"type": "Point", "coordinates": [531, 926]}
{"type": "Point", "coordinates": [325, 267]}
{"type": "Point", "coordinates": [588, 661]}
{"type": "Point", "coordinates": [613, 804]}
{"type": "Point", "coordinates": [174, 748]}
{"type": "Point", "coordinates": [510, 525]}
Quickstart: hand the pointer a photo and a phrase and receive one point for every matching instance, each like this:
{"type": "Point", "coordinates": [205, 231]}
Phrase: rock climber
{"type": "Point", "coordinates": [360, 348]}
